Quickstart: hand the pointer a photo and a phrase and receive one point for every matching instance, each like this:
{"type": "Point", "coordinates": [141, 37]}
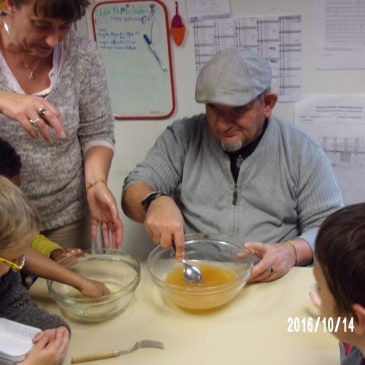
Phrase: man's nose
{"type": "Point", "coordinates": [225, 118]}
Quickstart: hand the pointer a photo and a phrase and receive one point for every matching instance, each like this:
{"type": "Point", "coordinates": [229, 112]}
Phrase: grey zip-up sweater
{"type": "Point", "coordinates": [285, 188]}
{"type": "Point", "coordinates": [52, 174]}
{"type": "Point", "coordinates": [15, 304]}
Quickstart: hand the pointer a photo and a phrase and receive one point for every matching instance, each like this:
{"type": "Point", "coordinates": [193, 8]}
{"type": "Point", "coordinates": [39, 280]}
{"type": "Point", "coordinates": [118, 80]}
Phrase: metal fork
{"type": "Point", "coordinates": [107, 355]}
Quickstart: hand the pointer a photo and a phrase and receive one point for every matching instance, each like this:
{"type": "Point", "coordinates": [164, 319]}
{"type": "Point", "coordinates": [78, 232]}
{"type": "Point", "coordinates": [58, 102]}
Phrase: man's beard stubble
{"type": "Point", "coordinates": [231, 147]}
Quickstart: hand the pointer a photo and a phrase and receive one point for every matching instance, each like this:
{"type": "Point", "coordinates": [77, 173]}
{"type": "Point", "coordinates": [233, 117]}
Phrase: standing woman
{"type": "Point", "coordinates": [55, 110]}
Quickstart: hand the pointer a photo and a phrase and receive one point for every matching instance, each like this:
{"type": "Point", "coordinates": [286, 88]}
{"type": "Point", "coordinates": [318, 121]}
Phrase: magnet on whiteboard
{"type": "Point", "coordinates": [177, 27]}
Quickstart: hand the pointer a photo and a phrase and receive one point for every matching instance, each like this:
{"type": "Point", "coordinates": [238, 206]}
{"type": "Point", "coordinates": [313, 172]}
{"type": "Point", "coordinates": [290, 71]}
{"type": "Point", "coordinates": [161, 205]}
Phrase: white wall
{"type": "Point", "coordinates": [134, 138]}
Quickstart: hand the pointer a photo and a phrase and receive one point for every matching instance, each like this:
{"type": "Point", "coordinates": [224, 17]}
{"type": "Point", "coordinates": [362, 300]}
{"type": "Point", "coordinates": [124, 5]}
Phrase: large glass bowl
{"type": "Point", "coordinates": [119, 272]}
{"type": "Point", "coordinates": [224, 275]}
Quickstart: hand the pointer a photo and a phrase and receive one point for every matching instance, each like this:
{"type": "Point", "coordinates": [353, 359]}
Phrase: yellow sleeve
{"type": "Point", "coordinates": [44, 245]}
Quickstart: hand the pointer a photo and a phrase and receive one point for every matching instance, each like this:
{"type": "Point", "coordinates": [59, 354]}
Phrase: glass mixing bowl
{"type": "Point", "coordinates": [224, 275]}
{"type": "Point", "coordinates": [119, 272]}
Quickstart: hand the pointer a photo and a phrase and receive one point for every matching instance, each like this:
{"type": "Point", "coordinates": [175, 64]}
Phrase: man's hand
{"type": "Point", "coordinates": [164, 223]}
{"type": "Point", "coordinates": [276, 259]}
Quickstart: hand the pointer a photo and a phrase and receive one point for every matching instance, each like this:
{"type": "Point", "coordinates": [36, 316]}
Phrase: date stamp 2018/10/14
{"type": "Point", "coordinates": [316, 324]}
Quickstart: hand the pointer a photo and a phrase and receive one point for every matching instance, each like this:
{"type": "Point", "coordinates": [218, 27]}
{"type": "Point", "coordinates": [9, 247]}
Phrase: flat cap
{"type": "Point", "coordinates": [233, 77]}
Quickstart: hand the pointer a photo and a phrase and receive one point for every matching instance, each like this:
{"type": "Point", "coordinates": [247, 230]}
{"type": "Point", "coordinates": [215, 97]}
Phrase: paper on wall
{"type": "Point", "coordinates": [337, 122]}
{"type": "Point", "coordinates": [339, 34]}
{"type": "Point", "coordinates": [277, 38]}
{"type": "Point", "coordinates": [207, 9]}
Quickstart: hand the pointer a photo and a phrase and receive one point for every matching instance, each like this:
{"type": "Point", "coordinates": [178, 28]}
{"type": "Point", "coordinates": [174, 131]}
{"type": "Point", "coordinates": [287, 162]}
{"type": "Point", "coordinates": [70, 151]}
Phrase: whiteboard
{"type": "Point", "coordinates": [134, 41]}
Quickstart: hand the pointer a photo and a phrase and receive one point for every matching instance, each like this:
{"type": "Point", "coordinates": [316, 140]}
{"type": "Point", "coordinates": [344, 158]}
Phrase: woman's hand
{"type": "Point", "coordinates": [34, 113]}
{"type": "Point", "coordinates": [50, 347]}
{"type": "Point", "coordinates": [103, 208]}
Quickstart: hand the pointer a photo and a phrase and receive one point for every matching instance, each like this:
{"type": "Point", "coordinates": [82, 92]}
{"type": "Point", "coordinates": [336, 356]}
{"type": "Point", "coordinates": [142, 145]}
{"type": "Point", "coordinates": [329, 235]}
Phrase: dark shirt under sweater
{"type": "Point", "coordinates": [16, 305]}
{"type": "Point", "coordinates": [237, 157]}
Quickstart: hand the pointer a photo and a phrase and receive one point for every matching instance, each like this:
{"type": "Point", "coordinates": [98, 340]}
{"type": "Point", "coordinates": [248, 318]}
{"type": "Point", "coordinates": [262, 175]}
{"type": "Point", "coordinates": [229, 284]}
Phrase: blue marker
{"type": "Point", "coordinates": [152, 49]}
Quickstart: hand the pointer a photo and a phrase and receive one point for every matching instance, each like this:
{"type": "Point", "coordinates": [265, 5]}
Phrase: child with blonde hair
{"type": "Point", "coordinates": [19, 223]}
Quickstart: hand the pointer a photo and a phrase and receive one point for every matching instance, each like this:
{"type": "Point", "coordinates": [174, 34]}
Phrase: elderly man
{"type": "Point", "coordinates": [237, 170]}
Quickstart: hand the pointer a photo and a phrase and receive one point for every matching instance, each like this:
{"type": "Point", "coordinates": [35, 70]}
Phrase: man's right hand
{"type": "Point", "coordinates": [164, 223]}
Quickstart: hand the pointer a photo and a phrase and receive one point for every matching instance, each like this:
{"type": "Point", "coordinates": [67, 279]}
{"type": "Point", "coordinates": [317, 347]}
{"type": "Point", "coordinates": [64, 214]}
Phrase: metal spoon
{"type": "Point", "coordinates": [191, 273]}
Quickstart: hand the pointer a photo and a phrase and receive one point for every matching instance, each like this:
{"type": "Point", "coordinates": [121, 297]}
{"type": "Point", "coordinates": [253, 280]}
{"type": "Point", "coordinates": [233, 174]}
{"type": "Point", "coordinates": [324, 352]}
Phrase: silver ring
{"type": "Point", "coordinates": [34, 122]}
{"type": "Point", "coordinates": [270, 271]}
{"type": "Point", "coordinates": [42, 112]}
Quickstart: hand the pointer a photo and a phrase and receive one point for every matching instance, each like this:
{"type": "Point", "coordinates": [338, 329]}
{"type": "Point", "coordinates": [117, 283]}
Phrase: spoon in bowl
{"type": "Point", "coordinates": [191, 273]}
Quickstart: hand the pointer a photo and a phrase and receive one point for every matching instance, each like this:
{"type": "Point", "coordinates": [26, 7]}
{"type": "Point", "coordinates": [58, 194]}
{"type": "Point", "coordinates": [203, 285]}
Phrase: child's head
{"type": "Point", "coordinates": [19, 222]}
{"type": "Point", "coordinates": [340, 268]}
{"type": "Point", "coordinates": [10, 163]}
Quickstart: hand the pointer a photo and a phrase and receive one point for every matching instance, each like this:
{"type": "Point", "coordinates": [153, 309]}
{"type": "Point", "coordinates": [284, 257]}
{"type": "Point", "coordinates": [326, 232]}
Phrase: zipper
{"type": "Point", "coordinates": [235, 193]}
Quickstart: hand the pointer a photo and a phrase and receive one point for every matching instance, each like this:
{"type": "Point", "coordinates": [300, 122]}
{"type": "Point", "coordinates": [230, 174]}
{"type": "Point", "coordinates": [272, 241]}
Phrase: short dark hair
{"type": "Point", "coordinates": [10, 162]}
{"type": "Point", "coordinates": [68, 10]}
{"type": "Point", "coordinates": [340, 250]}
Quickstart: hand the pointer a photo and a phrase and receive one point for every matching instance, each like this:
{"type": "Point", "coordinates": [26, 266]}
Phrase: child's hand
{"type": "Point", "coordinates": [63, 257]}
{"type": "Point", "coordinates": [93, 289]}
{"type": "Point", "coordinates": [50, 347]}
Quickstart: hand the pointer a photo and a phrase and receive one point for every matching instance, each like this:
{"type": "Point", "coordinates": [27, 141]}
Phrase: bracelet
{"type": "Point", "coordinates": [291, 243]}
{"type": "Point", "coordinates": [93, 183]}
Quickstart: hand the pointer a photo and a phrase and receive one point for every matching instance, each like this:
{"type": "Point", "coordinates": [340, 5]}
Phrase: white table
{"type": "Point", "coordinates": [251, 330]}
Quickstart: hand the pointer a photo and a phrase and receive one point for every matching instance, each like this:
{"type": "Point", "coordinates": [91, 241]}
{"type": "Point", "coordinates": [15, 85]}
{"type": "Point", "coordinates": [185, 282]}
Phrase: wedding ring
{"type": "Point", "coordinates": [270, 271]}
{"type": "Point", "coordinates": [34, 122]}
{"type": "Point", "coordinates": [42, 112]}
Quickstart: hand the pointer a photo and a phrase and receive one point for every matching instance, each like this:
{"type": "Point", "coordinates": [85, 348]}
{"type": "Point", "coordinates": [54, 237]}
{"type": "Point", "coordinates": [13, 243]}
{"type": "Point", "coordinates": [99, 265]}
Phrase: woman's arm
{"type": "Point", "coordinates": [102, 204]}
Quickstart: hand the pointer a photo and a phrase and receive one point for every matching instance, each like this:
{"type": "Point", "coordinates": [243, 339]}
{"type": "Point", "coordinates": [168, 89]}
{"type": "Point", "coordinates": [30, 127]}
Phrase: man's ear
{"type": "Point", "coordinates": [10, 5]}
{"type": "Point", "coordinates": [359, 311]}
{"type": "Point", "coordinates": [270, 100]}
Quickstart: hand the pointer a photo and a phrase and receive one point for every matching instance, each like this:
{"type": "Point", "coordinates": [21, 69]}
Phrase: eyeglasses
{"type": "Point", "coordinates": [15, 267]}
